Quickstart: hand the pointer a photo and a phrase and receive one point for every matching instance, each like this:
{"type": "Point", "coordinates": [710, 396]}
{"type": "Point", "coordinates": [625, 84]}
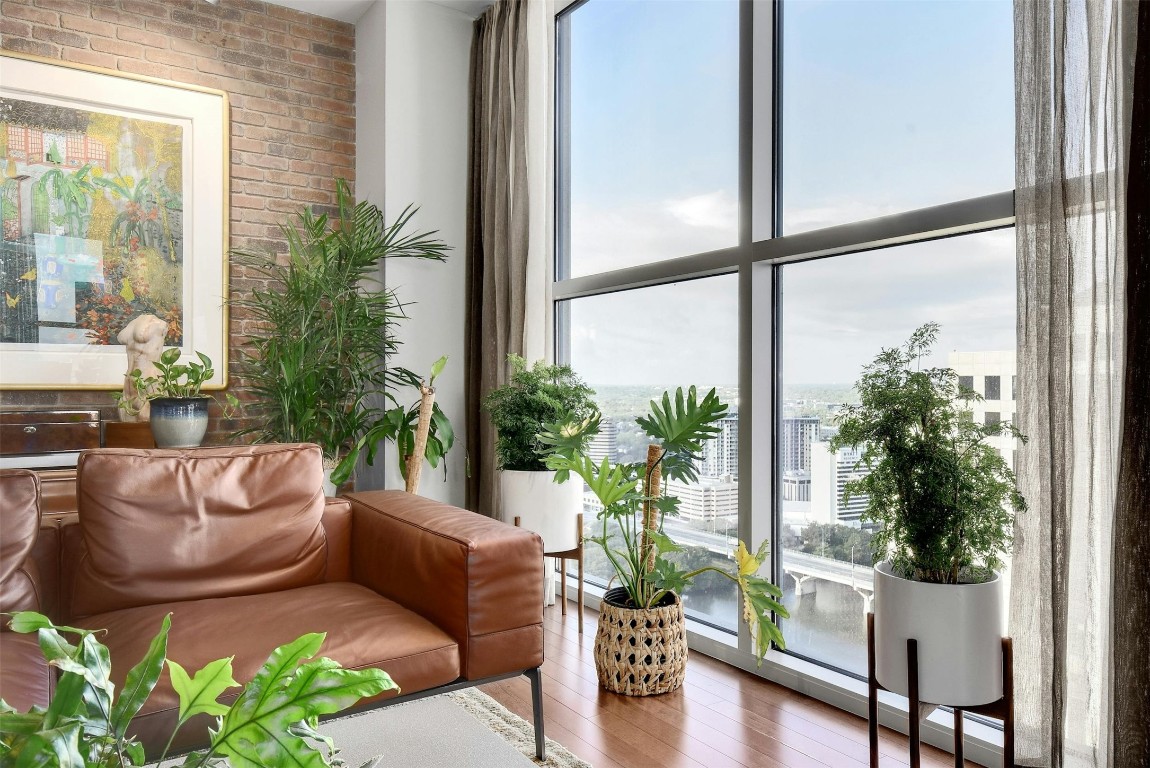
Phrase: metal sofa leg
{"type": "Point", "coordinates": [536, 678]}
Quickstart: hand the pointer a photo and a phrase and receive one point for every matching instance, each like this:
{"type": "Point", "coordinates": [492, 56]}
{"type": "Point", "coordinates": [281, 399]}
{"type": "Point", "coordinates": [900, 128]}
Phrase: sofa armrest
{"type": "Point", "coordinates": [477, 579]}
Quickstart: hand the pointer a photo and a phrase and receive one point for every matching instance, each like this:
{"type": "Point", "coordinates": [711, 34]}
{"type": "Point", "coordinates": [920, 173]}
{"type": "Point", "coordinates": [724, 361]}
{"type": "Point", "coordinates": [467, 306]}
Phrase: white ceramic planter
{"type": "Point", "coordinates": [959, 630]}
{"type": "Point", "coordinates": [329, 488]}
{"type": "Point", "coordinates": [179, 422]}
{"type": "Point", "coordinates": [543, 506]}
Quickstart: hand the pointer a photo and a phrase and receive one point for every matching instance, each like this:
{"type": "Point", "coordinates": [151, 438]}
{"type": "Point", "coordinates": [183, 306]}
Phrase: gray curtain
{"type": "Point", "coordinates": [497, 240]}
{"type": "Point", "coordinates": [1073, 79]}
{"type": "Point", "coordinates": [1131, 559]}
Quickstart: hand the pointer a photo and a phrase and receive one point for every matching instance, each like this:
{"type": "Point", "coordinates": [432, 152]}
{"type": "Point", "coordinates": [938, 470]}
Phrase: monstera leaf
{"type": "Point", "coordinates": [260, 730]}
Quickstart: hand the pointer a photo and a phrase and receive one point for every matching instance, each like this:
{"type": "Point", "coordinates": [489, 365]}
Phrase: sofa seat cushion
{"type": "Point", "coordinates": [363, 630]}
{"type": "Point", "coordinates": [25, 677]}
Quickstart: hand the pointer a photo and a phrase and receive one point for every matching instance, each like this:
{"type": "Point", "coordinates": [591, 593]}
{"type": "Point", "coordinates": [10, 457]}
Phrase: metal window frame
{"type": "Point", "coordinates": [758, 258]}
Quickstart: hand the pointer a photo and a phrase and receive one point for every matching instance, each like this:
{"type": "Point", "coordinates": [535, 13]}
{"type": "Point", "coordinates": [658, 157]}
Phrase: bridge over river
{"type": "Point", "coordinates": [806, 569]}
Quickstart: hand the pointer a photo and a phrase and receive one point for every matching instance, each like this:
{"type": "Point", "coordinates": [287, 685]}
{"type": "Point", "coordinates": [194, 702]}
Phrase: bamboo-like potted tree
{"type": "Point", "coordinates": [327, 329]}
{"type": "Point", "coordinates": [943, 501]}
{"type": "Point", "coordinates": [641, 641]}
{"type": "Point", "coordinates": [532, 398]}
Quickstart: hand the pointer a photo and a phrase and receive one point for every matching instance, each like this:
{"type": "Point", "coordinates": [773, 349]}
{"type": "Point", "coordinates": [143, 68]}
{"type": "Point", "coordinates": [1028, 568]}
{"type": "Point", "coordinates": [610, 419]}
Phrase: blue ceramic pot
{"type": "Point", "coordinates": [179, 422]}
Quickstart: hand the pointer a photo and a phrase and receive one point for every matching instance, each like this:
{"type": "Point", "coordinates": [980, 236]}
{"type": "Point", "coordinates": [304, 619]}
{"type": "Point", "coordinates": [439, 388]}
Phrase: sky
{"type": "Point", "coordinates": [888, 106]}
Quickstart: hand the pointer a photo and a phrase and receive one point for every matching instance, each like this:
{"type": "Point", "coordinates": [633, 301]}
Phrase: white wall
{"type": "Point", "coordinates": [412, 66]}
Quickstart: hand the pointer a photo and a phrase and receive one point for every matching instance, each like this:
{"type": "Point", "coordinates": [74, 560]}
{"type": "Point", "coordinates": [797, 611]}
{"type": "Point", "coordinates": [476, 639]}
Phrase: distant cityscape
{"type": "Point", "coordinates": [812, 477]}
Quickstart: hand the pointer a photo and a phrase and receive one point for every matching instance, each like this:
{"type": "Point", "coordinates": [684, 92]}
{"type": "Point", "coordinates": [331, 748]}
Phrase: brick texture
{"type": "Point", "coordinates": [290, 79]}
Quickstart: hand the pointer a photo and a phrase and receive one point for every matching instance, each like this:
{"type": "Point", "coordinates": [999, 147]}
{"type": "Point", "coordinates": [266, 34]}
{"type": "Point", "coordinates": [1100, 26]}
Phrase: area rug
{"type": "Point", "coordinates": [465, 729]}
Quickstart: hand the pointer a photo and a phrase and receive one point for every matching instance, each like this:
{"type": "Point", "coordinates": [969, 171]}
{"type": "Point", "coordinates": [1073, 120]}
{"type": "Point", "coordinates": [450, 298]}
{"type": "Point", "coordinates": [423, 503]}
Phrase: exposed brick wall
{"type": "Point", "coordinates": [290, 77]}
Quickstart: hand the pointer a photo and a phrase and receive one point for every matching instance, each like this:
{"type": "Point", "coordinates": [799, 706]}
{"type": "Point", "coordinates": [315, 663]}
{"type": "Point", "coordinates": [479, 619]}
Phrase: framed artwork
{"type": "Point", "coordinates": [114, 205]}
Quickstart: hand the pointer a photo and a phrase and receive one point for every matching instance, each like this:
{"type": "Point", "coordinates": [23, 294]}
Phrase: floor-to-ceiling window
{"type": "Point", "coordinates": [758, 196]}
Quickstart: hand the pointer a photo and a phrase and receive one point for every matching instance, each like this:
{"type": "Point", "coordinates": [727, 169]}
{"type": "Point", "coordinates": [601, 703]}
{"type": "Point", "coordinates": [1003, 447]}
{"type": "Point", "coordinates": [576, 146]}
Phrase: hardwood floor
{"type": "Point", "coordinates": [722, 717]}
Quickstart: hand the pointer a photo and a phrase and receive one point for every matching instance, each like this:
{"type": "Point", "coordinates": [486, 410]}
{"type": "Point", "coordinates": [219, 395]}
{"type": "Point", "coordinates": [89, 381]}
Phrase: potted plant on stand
{"type": "Point", "coordinates": [641, 642]}
{"type": "Point", "coordinates": [528, 489]}
{"type": "Point", "coordinates": [179, 410]}
{"type": "Point", "coordinates": [318, 367]}
{"type": "Point", "coordinates": [943, 501]}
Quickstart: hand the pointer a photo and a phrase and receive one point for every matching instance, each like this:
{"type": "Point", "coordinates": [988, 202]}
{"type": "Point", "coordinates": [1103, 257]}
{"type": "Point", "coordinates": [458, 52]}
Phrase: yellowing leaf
{"type": "Point", "coordinates": [747, 562]}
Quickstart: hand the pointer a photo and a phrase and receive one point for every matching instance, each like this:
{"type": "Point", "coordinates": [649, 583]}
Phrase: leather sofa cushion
{"type": "Point", "coordinates": [27, 680]}
{"type": "Point", "coordinates": [19, 524]}
{"type": "Point", "coordinates": [363, 630]}
{"type": "Point", "coordinates": [162, 526]}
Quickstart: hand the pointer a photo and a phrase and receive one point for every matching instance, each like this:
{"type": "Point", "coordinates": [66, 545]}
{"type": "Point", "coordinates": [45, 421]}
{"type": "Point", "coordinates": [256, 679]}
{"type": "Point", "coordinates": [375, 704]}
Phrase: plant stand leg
{"type": "Point", "coordinates": [915, 723]}
{"type": "Point", "coordinates": [872, 691]}
{"type": "Point", "coordinates": [563, 585]}
{"type": "Point", "coordinates": [958, 761]}
{"type": "Point", "coordinates": [536, 678]}
{"type": "Point", "coordinates": [579, 540]}
{"type": "Point", "coordinates": [1008, 695]}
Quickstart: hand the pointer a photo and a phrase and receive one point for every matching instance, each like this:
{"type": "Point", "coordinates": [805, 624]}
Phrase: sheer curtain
{"type": "Point", "coordinates": [1074, 68]}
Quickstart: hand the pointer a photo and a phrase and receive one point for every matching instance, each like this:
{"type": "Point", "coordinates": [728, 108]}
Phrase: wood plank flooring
{"type": "Point", "coordinates": [722, 717]}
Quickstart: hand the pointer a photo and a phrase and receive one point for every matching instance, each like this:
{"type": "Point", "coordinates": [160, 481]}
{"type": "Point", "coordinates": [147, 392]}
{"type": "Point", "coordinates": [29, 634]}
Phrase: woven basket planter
{"type": "Point", "coordinates": [640, 651]}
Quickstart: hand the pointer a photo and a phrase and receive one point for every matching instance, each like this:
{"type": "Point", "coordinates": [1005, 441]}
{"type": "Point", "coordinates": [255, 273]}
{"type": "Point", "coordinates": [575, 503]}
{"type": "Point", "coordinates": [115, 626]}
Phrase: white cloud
{"type": "Point", "coordinates": [714, 210]}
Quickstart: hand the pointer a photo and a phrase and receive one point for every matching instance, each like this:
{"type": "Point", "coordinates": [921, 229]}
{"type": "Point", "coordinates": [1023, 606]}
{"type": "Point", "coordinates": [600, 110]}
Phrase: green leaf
{"type": "Point", "coordinates": [198, 694]}
{"type": "Point", "coordinates": [29, 621]}
{"type": "Point", "coordinates": [58, 747]}
{"type": "Point", "coordinates": [258, 729]}
{"type": "Point", "coordinates": [437, 368]}
{"type": "Point", "coordinates": [664, 543]}
{"type": "Point", "coordinates": [20, 723]}
{"type": "Point", "coordinates": [54, 646]}
{"type": "Point", "coordinates": [141, 680]}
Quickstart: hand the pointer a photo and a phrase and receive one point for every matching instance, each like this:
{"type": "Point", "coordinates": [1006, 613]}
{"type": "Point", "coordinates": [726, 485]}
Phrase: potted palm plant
{"type": "Point", "coordinates": [178, 407]}
{"type": "Point", "coordinates": [328, 329]}
{"type": "Point", "coordinates": [641, 642]}
{"type": "Point", "coordinates": [943, 501]}
{"type": "Point", "coordinates": [533, 397]}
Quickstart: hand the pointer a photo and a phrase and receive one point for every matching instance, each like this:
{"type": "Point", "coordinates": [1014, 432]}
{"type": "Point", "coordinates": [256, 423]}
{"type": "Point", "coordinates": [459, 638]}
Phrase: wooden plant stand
{"type": "Point", "coordinates": [575, 554]}
{"type": "Point", "coordinates": [1003, 709]}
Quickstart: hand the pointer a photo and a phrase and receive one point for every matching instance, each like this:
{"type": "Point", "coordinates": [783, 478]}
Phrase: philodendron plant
{"type": "Point", "coordinates": [942, 498]}
{"type": "Point", "coordinates": [274, 722]}
{"type": "Point", "coordinates": [635, 504]}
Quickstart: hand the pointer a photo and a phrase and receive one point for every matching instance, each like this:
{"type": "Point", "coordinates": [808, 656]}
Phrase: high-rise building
{"type": "Point", "coordinates": [830, 472]}
{"type": "Point", "coordinates": [711, 501]}
{"type": "Point", "coordinates": [796, 485]}
{"type": "Point", "coordinates": [795, 446]}
{"type": "Point", "coordinates": [721, 454]}
{"type": "Point", "coordinates": [992, 375]}
{"type": "Point", "coordinates": [605, 444]}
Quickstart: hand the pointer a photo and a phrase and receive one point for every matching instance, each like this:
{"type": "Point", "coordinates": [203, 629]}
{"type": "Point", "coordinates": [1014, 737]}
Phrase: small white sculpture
{"type": "Point", "coordinates": [143, 339]}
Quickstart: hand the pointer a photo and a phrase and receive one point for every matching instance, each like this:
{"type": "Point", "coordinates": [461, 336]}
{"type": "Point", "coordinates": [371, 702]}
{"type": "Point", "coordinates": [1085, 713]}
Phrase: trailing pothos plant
{"type": "Point", "coordinates": [176, 380]}
{"type": "Point", "coordinates": [942, 497]}
{"type": "Point", "coordinates": [273, 722]}
{"type": "Point", "coordinates": [635, 504]}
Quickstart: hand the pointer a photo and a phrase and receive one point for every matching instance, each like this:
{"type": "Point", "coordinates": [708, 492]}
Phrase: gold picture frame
{"type": "Point", "coordinates": [115, 204]}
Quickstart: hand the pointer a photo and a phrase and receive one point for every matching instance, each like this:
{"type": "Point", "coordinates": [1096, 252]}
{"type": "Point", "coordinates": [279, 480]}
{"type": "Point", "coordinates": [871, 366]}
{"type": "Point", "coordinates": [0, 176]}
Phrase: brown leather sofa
{"type": "Point", "coordinates": [241, 547]}
{"type": "Point", "coordinates": [25, 679]}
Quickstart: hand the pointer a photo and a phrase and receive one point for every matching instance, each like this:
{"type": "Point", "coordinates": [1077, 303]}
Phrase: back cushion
{"type": "Point", "coordinates": [19, 525]}
{"type": "Point", "coordinates": [168, 525]}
